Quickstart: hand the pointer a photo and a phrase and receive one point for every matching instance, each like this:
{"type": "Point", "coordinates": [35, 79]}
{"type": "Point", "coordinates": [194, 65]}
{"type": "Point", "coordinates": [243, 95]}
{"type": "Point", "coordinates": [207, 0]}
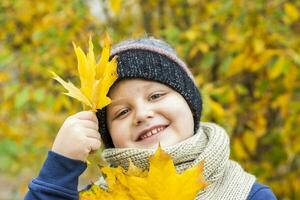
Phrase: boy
{"type": "Point", "coordinates": [154, 100]}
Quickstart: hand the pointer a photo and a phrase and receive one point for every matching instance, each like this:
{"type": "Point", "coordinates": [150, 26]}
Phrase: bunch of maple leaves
{"type": "Point", "coordinates": [161, 181]}
{"type": "Point", "coordinates": [95, 77]}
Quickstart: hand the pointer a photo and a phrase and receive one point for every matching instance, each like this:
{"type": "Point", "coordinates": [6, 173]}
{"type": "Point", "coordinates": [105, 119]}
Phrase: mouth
{"type": "Point", "coordinates": [147, 133]}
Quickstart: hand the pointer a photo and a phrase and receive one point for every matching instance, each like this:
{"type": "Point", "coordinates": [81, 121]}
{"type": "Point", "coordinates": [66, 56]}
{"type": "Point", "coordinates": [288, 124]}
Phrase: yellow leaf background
{"type": "Point", "coordinates": [244, 54]}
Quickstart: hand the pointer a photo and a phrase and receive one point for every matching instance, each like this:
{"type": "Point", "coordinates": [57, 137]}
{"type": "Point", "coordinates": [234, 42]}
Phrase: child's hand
{"type": "Point", "coordinates": [78, 136]}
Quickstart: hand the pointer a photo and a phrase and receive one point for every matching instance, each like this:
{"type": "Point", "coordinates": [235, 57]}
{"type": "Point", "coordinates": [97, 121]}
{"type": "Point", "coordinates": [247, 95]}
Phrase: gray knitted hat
{"type": "Point", "coordinates": [154, 60]}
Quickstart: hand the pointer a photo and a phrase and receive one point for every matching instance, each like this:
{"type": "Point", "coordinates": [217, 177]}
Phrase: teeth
{"type": "Point", "coordinates": [152, 132]}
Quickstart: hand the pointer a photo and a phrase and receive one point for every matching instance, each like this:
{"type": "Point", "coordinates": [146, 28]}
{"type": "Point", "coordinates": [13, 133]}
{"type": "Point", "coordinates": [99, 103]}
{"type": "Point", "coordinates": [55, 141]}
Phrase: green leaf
{"type": "Point", "coordinates": [39, 95]}
{"type": "Point", "coordinates": [22, 98]}
{"type": "Point", "coordinates": [5, 59]}
{"type": "Point", "coordinates": [225, 64]}
{"type": "Point", "coordinates": [208, 60]}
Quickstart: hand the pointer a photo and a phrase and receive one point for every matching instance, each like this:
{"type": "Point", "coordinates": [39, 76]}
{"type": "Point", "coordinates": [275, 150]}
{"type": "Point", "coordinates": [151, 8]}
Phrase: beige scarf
{"type": "Point", "coordinates": [227, 178]}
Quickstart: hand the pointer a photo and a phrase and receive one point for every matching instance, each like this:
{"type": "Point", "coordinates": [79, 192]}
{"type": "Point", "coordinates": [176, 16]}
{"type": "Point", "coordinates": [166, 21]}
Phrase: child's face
{"type": "Point", "coordinates": [144, 113]}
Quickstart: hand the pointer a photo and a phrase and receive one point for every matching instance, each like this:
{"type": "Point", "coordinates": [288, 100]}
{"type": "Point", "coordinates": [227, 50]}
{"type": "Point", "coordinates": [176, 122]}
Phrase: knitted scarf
{"type": "Point", "coordinates": [227, 179]}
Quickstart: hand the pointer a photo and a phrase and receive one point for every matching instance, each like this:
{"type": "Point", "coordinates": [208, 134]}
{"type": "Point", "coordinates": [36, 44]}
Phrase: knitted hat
{"type": "Point", "coordinates": [154, 60]}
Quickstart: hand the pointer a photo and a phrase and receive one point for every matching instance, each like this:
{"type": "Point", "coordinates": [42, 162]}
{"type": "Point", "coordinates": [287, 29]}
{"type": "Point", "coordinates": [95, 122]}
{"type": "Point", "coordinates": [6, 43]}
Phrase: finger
{"type": "Point", "coordinates": [89, 124]}
{"type": "Point", "coordinates": [94, 144]}
{"type": "Point", "coordinates": [86, 115]}
{"type": "Point", "coordinates": [92, 134]}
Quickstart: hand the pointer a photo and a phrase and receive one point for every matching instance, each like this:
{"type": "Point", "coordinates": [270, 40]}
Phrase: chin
{"type": "Point", "coordinates": [148, 146]}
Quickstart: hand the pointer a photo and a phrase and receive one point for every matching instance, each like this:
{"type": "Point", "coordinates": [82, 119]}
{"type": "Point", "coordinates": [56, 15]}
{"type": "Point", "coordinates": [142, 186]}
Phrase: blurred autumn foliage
{"type": "Point", "coordinates": [245, 56]}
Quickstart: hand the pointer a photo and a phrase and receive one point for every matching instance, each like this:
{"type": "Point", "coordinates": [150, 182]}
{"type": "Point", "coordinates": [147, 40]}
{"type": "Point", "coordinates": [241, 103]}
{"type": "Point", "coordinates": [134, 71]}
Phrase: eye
{"type": "Point", "coordinates": [156, 95]}
{"type": "Point", "coordinates": [121, 113]}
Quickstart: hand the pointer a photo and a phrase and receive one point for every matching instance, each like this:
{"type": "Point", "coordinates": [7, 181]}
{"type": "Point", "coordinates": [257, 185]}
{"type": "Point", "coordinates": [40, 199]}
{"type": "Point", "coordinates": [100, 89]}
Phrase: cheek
{"type": "Point", "coordinates": [114, 130]}
{"type": "Point", "coordinates": [185, 126]}
{"type": "Point", "coordinates": [183, 117]}
{"type": "Point", "coordinates": [119, 133]}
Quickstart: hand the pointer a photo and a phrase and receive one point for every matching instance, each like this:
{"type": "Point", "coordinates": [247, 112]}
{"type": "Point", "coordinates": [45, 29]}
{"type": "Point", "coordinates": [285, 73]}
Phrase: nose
{"type": "Point", "coordinates": [143, 112]}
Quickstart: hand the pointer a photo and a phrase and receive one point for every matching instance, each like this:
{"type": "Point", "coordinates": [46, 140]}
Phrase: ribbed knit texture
{"type": "Point", "coordinates": [227, 178]}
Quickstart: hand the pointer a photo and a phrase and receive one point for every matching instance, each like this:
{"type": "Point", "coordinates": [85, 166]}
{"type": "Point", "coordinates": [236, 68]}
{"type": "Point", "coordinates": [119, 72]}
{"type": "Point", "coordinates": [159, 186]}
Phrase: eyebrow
{"type": "Point", "coordinates": [147, 86]}
{"type": "Point", "coordinates": [116, 102]}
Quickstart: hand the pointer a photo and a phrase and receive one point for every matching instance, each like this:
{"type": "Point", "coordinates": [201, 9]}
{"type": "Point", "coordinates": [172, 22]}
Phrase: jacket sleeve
{"type": "Point", "coordinates": [261, 192]}
{"type": "Point", "coordinates": [58, 179]}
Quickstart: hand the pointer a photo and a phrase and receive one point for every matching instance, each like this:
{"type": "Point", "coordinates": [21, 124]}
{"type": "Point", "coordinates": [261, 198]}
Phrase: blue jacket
{"type": "Point", "coordinates": [58, 179]}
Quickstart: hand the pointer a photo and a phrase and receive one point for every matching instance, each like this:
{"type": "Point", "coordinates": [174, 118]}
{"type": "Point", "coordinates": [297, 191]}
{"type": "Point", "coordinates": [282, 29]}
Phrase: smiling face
{"type": "Point", "coordinates": [144, 113]}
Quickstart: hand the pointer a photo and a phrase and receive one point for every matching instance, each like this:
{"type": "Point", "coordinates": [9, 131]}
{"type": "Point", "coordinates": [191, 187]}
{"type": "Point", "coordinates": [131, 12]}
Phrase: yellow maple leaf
{"type": "Point", "coordinates": [95, 78]}
{"type": "Point", "coordinates": [161, 181]}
